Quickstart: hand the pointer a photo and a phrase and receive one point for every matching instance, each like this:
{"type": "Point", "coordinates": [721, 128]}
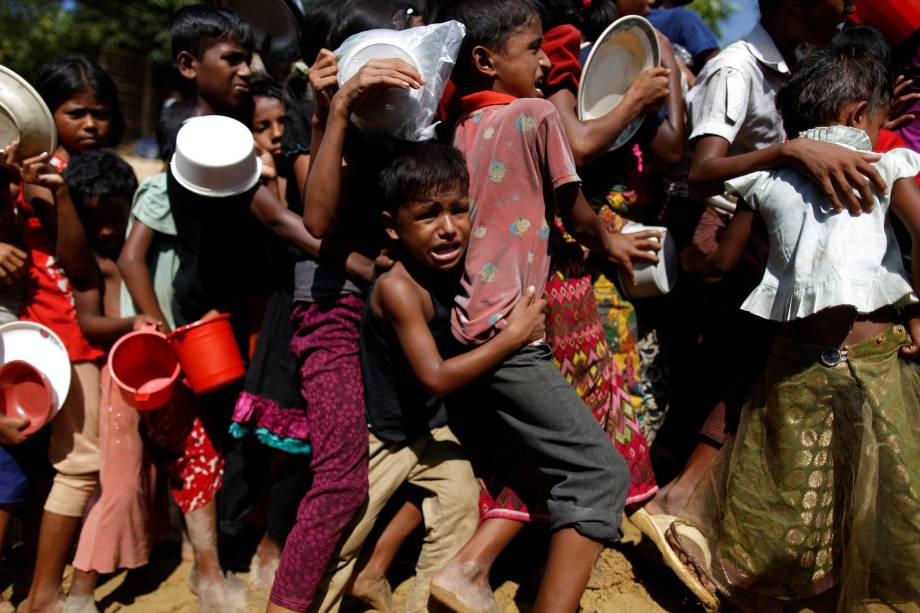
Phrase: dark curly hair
{"type": "Point", "coordinates": [195, 28]}
{"type": "Point", "coordinates": [853, 68]}
{"type": "Point", "coordinates": [97, 176]}
{"type": "Point", "coordinates": [419, 170]}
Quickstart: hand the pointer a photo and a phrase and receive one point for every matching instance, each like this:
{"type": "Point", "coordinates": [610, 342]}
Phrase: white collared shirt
{"type": "Point", "coordinates": [820, 258]}
{"type": "Point", "coordinates": [735, 92]}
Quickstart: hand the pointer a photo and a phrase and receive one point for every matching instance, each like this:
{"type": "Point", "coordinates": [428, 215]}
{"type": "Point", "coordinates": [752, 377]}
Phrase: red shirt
{"type": "Point", "coordinates": [49, 296]}
{"type": "Point", "coordinates": [518, 155]}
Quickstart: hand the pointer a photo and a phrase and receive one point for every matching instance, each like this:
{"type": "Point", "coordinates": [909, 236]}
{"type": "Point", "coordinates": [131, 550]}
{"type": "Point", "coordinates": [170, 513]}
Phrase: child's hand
{"type": "Point", "coordinates": [37, 171]}
{"type": "Point", "coordinates": [650, 89]}
{"type": "Point", "coordinates": [385, 261]}
{"type": "Point", "coordinates": [912, 351]}
{"type": "Point", "coordinates": [527, 320]}
{"type": "Point", "coordinates": [838, 171]}
{"type": "Point", "coordinates": [323, 76]}
{"type": "Point", "coordinates": [140, 321]}
{"type": "Point", "coordinates": [692, 259]}
{"type": "Point", "coordinates": [8, 161]}
{"type": "Point", "coordinates": [269, 172]}
{"type": "Point", "coordinates": [373, 79]}
{"type": "Point", "coordinates": [623, 249]}
{"type": "Point", "coordinates": [210, 315]}
{"type": "Point", "coordinates": [11, 430]}
{"type": "Point", "coordinates": [12, 264]}
{"type": "Point", "coordinates": [896, 119]}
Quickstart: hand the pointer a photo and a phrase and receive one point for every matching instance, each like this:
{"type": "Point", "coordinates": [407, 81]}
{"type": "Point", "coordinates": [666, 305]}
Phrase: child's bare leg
{"type": "Point", "coordinates": [370, 583]}
{"type": "Point", "coordinates": [215, 593]}
{"type": "Point", "coordinates": [673, 497]}
{"type": "Point", "coordinates": [56, 536]}
{"type": "Point", "coordinates": [568, 566]}
{"type": "Point", "coordinates": [264, 563]}
{"type": "Point", "coordinates": [6, 515]}
{"type": "Point", "coordinates": [80, 599]}
{"type": "Point", "coordinates": [464, 583]}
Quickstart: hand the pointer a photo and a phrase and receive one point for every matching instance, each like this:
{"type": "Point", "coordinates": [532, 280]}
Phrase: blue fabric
{"type": "Point", "coordinates": [267, 437]}
{"type": "Point", "coordinates": [685, 28]}
{"type": "Point", "coordinates": [13, 481]}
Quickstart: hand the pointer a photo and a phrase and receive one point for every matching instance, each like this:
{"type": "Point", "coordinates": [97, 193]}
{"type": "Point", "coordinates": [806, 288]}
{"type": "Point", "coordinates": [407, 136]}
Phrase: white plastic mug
{"type": "Point", "coordinates": [652, 279]}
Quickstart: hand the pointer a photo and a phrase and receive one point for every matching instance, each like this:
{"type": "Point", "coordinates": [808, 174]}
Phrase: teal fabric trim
{"type": "Point", "coordinates": [269, 438]}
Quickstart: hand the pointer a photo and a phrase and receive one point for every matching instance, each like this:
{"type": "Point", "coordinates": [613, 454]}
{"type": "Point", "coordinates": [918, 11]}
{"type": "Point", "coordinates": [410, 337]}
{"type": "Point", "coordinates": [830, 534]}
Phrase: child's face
{"type": "Point", "coordinates": [642, 8]}
{"type": "Point", "coordinates": [222, 76]}
{"type": "Point", "coordinates": [268, 124]}
{"type": "Point", "coordinates": [435, 231]}
{"type": "Point", "coordinates": [521, 65]}
{"type": "Point", "coordinates": [82, 123]}
{"type": "Point", "coordinates": [106, 222]}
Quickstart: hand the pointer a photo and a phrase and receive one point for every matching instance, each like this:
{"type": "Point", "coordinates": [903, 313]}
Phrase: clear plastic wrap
{"type": "Point", "coordinates": [405, 114]}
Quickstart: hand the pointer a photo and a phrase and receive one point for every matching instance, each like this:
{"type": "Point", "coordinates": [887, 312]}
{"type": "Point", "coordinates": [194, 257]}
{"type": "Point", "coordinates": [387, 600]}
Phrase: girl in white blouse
{"type": "Point", "coordinates": [818, 496]}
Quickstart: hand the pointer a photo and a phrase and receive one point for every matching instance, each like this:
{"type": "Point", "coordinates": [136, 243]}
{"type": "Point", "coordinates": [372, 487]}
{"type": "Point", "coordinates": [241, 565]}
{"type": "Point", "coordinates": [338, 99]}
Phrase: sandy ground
{"type": "Point", "coordinates": [636, 581]}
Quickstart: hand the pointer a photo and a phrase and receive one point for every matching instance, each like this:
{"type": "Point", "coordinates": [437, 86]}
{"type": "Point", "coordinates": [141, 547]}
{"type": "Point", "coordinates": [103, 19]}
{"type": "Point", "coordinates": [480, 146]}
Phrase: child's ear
{"type": "Point", "coordinates": [187, 65]}
{"type": "Point", "coordinates": [858, 114]}
{"type": "Point", "coordinates": [482, 61]}
{"type": "Point", "coordinates": [389, 224]}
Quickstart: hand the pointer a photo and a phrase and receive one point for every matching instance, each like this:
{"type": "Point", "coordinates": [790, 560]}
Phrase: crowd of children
{"type": "Point", "coordinates": [439, 336]}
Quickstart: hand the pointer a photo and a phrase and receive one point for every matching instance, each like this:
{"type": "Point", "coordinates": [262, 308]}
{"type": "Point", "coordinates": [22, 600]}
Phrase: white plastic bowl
{"type": "Point", "coordinates": [40, 347]}
{"type": "Point", "coordinates": [387, 113]}
{"type": "Point", "coordinates": [627, 47]}
{"type": "Point", "coordinates": [216, 157]}
{"type": "Point", "coordinates": [652, 279]}
{"type": "Point", "coordinates": [24, 116]}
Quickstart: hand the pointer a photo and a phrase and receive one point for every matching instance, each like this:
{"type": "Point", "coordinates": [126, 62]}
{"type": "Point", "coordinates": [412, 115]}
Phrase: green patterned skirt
{"type": "Point", "coordinates": [818, 496]}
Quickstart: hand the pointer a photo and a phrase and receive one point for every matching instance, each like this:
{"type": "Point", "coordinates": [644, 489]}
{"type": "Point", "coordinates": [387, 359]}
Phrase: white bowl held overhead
{"type": "Point", "coordinates": [627, 47]}
{"type": "Point", "coordinates": [24, 117]}
{"type": "Point", "coordinates": [384, 114]}
{"type": "Point", "coordinates": [40, 347]}
{"type": "Point", "coordinates": [216, 157]}
{"type": "Point", "coordinates": [652, 279]}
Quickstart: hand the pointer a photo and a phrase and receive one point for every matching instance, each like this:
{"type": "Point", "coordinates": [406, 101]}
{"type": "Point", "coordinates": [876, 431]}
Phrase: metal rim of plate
{"type": "Point", "coordinates": [11, 81]}
{"type": "Point", "coordinates": [623, 23]}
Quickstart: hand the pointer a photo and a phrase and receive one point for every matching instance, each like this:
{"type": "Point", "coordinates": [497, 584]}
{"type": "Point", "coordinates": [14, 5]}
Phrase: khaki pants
{"type": "Point", "coordinates": [435, 463]}
{"type": "Point", "coordinates": [74, 448]}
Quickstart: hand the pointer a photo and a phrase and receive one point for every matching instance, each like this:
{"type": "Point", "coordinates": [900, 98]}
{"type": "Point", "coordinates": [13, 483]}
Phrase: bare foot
{"type": "Point", "coordinates": [375, 592]}
{"type": "Point", "coordinates": [262, 571]}
{"type": "Point", "coordinates": [55, 606]}
{"type": "Point", "coordinates": [80, 604]}
{"type": "Point", "coordinates": [225, 596]}
{"type": "Point", "coordinates": [464, 587]}
{"type": "Point", "coordinates": [671, 499]}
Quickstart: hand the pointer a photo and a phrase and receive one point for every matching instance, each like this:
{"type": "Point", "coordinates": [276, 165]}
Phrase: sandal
{"type": "Point", "coordinates": [658, 529]}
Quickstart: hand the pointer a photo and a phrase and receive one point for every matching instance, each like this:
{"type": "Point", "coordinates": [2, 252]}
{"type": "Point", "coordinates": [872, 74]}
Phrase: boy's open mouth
{"type": "Point", "coordinates": [539, 87]}
{"type": "Point", "coordinates": [445, 252]}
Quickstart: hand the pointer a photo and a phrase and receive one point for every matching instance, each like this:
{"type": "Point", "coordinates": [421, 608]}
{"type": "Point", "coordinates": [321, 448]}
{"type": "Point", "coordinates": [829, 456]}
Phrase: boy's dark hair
{"type": "Point", "coordinates": [263, 86]}
{"type": "Point", "coordinates": [195, 28]}
{"type": "Point", "coordinates": [420, 170]}
{"type": "Point", "coordinates": [847, 71]}
{"type": "Point", "coordinates": [597, 17]}
{"type": "Point", "coordinates": [489, 24]}
{"type": "Point", "coordinates": [64, 77]}
{"type": "Point", "coordinates": [171, 119]}
{"type": "Point", "coordinates": [98, 176]}
{"type": "Point", "coordinates": [560, 12]}
{"type": "Point", "coordinates": [327, 23]}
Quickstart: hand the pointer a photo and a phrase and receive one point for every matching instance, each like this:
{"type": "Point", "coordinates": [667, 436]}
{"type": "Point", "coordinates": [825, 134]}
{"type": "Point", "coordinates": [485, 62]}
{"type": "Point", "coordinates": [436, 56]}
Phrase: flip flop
{"type": "Point", "coordinates": [656, 528]}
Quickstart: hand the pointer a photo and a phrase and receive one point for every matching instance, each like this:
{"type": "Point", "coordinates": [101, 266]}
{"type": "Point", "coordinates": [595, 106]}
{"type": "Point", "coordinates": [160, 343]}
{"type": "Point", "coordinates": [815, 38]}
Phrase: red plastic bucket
{"type": "Point", "coordinates": [208, 354]}
{"type": "Point", "coordinates": [145, 367]}
{"type": "Point", "coordinates": [25, 393]}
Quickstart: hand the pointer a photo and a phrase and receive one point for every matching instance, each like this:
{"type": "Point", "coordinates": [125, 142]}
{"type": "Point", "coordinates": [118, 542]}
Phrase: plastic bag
{"type": "Point", "coordinates": [406, 114]}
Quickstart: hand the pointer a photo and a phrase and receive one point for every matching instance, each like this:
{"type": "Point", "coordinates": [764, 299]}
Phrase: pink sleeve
{"type": "Point", "coordinates": [558, 163]}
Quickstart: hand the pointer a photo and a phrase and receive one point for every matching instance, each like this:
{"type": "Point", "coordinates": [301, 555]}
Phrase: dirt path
{"type": "Point", "coordinates": [636, 582]}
